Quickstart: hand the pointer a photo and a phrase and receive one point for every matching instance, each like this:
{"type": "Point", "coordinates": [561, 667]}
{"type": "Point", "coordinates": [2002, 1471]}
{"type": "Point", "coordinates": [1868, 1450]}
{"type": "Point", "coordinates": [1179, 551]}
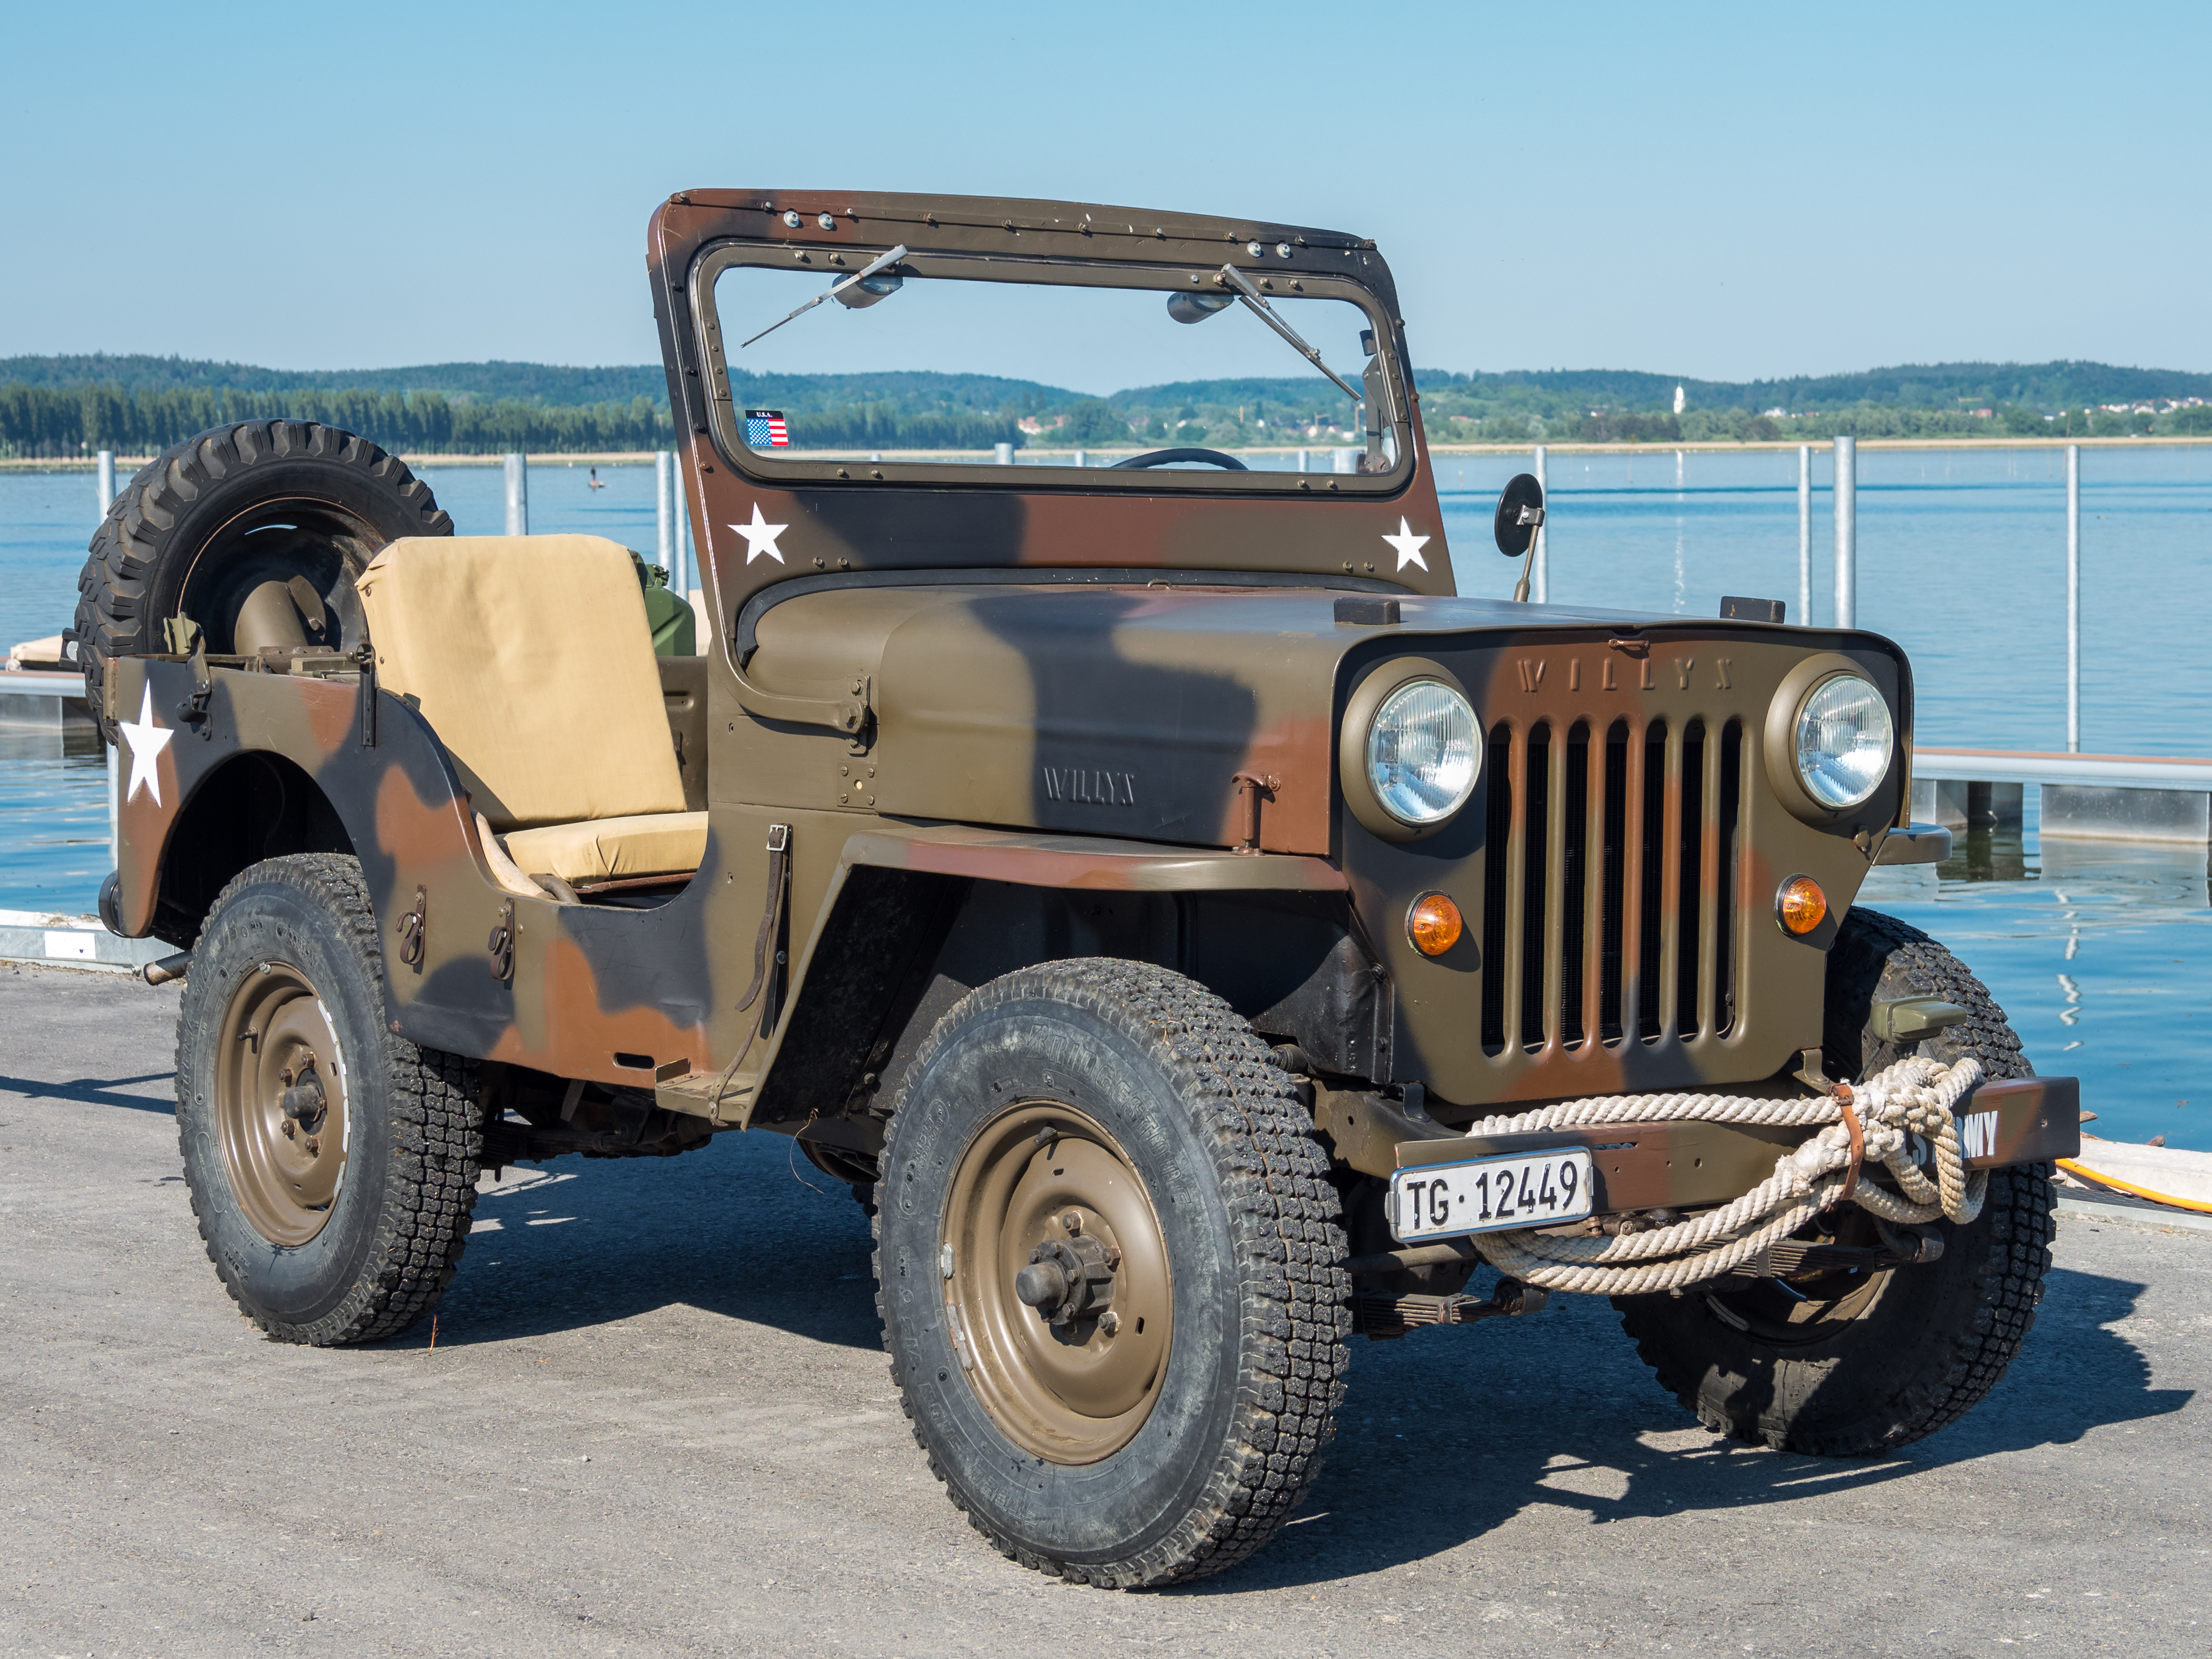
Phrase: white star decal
{"type": "Point", "coordinates": [1409, 546]}
{"type": "Point", "coordinates": [760, 537]}
{"type": "Point", "coordinates": [145, 741]}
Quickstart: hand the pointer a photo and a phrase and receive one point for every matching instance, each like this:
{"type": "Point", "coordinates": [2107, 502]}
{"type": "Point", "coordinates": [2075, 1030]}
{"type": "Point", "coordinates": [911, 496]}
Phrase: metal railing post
{"type": "Point", "coordinates": [1804, 535]}
{"type": "Point", "coordinates": [106, 481]}
{"type": "Point", "coordinates": [663, 508]}
{"type": "Point", "coordinates": [518, 496]}
{"type": "Point", "coordinates": [682, 548]}
{"type": "Point", "coordinates": [1540, 585]}
{"type": "Point", "coordinates": [2073, 599]}
{"type": "Point", "coordinates": [1847, 532]}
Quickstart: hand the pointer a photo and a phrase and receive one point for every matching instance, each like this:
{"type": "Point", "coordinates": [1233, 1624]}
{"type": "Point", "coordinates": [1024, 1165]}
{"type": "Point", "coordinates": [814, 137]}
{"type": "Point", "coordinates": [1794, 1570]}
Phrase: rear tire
{"type": "Point", "coordinates": [233, 516]}
{"type": "Point", "coordinates": [344, 1223]}
{"type": "Point", "coordinates": [1174, 1440]}
{"type": "Point", "coordinates": [1851, 1363]}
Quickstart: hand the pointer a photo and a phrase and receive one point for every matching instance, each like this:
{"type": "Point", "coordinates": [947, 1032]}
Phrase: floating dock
{"type": "Point", "coordinates": [2134, 798]}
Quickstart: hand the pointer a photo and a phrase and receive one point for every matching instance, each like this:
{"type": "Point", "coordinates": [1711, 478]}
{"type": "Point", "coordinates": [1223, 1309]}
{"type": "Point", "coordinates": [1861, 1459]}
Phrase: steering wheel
{"type": "Point", "coordinates": [1169, 456]}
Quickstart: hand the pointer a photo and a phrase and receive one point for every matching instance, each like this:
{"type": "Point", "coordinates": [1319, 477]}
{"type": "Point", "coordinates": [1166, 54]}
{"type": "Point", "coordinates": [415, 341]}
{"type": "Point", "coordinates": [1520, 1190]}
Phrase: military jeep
{"type": "Point", "coordinates": [1197, 932]}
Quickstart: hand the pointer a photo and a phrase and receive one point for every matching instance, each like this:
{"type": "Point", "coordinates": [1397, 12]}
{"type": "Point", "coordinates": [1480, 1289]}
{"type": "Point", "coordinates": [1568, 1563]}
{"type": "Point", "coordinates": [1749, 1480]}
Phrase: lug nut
{"type": "Point", "coordinates": [1109, 1322]}
{"type": "Point", "coordinates": [315, 1145]}
{"type": "Point", "coordinates": [1073, 1221]}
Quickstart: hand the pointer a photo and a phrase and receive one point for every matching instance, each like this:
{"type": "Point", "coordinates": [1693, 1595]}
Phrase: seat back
{"type": "Point", "coordinates": [531, 658]}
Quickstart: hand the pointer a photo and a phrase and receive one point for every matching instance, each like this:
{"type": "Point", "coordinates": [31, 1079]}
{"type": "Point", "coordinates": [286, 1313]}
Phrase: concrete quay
{"type": "Point", "coordinates": [657, 1422]}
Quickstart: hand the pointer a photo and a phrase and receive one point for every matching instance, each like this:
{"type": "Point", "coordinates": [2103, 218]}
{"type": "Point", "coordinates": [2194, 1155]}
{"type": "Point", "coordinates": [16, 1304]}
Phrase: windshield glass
{"type": "Point", "coordinates": [937, 360]}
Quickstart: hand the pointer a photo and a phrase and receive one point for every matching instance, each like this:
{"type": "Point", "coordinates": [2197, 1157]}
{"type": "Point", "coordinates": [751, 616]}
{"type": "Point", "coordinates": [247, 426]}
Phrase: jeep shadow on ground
{"type": "Point", "coordinates": [744, 1228]}
{"type": "Point", "coordinates": [98, 1091]}
{"type": "Point", "coordinates": [1446, 1435]}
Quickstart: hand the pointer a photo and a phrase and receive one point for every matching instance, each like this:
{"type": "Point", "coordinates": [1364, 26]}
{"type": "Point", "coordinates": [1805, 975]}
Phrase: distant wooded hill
{"type": "Point", "coordinates": [62, 406]}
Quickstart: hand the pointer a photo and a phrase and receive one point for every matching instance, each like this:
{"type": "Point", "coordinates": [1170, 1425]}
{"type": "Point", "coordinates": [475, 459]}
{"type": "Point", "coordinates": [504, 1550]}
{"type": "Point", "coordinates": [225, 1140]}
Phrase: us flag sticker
{"type": "Point", "coordinates": [764, 429]}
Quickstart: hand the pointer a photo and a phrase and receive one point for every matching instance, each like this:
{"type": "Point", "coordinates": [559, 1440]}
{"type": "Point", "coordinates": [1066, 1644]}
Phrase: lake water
{"type": "Point", "coordinates": [1961, 559]}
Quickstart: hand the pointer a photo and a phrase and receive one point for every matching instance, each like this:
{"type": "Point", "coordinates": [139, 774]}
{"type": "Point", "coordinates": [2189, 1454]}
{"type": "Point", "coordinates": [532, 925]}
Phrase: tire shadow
{"type": "Point", "coordinates": [729, 1229]}
{"type": "Point", "coordinates": [98, 1092]}
{"type": "Point", "coordinates": [1439, 1443]}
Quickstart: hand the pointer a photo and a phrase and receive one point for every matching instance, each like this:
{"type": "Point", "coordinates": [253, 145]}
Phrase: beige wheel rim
{"type": "Point", "coordinates": [1076, 1392]}
{"type": "Point", "coordinates": [277, 1048]}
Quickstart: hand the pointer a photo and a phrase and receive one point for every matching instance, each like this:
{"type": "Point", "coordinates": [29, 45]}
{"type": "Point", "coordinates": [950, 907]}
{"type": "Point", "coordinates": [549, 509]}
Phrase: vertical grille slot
{"type": "Point", "coordinates": [1537, 862]}
{"type": "Point", "coordinates": [1652, 894]}
{"type": "Point", "coordinates": [1575, 889]}
{"type": "Point", "coordinates": [1692, 852]}
{"type": "Point", "coordinates": [1612, 883]}
{"type": "Point", "coordinates": [1729, 893]}
{"type": "Point", "coordinates": [1498, 830]}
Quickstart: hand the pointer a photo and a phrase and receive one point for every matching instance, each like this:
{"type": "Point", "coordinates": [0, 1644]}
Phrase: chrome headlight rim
{"type": "Point", "coordinates": [1786, 712]}
{"type": "Point", "coordinates": [1374, 690]}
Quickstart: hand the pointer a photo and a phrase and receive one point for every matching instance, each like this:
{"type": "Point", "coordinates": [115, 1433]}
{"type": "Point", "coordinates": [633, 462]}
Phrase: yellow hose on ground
{"type": "Point", "coordinates": [2072, 1168]}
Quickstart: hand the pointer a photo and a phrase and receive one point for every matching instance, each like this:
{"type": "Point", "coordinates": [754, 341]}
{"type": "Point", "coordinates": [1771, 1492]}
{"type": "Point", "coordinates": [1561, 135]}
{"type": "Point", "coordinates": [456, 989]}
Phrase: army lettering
{"type": "Point", "coordinates": [1086, 788]}
{"type": "Point", "coordinates": [1532, 674]}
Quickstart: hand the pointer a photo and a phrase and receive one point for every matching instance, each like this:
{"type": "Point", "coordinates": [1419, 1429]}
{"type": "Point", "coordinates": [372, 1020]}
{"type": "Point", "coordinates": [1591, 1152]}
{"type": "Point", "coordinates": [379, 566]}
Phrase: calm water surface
{"type": "Point", "coordinates": [2102, 956]}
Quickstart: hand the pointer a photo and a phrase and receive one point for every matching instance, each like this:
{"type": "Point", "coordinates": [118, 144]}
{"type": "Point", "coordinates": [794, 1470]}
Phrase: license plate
{"type": "Point", "coordinates": [1527, 1189]}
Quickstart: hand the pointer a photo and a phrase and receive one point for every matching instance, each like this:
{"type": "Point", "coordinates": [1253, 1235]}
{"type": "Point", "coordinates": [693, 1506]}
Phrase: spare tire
{"type": "Point", "coordinates": [255, 532]}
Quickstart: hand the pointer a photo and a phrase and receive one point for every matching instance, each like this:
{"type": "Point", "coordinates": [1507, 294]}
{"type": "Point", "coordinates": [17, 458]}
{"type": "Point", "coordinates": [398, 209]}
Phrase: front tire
{"type": "Point", "coordinates": [1120, 1120]}
{"type": "Point", "coordinates": [331, 1164]}
{"type": "Point", "coordinates": [1854, 1363]}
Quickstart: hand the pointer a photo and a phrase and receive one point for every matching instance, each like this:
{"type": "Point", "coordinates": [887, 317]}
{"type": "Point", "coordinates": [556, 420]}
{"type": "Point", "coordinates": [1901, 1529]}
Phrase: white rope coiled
{"type": "Point", "coordinates": [1916, 1096]}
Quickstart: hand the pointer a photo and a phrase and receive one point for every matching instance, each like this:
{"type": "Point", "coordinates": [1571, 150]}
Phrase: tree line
{"type": "Point", "coordinates": [37, 423]}
{"type": "Point", "coordinates": [42, 423]}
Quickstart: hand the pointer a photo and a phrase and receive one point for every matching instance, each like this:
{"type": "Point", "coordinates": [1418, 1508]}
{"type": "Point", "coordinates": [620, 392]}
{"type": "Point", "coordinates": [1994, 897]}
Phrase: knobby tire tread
{"type": "Point", "coordinates": [437, 1128]}
{"type": "Point", "coordinates": [1875, 953]}
{"type": "Point", "coordinates": [1285, 1216]}
{"type": "Point", "coordinates": [115, 588]}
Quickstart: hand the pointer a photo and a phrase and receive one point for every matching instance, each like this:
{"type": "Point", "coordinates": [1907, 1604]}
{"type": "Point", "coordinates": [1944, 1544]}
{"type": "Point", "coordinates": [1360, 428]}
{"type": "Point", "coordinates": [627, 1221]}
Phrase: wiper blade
{"type": "Point", "coordinates": [833, 290]}
{"type": "Point", "coordinates": [1252, 298]}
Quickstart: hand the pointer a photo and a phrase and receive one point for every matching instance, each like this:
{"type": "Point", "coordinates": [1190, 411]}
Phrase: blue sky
{"type": "Point", "coordinates": [1719, 191]}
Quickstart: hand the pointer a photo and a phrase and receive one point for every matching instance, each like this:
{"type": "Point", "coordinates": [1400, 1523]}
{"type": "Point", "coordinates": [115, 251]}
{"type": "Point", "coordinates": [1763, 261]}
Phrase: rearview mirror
{"type": "Point", "coordinates": [1197, 307]}
{"type": "Point", "coordinates": [1520, 514]}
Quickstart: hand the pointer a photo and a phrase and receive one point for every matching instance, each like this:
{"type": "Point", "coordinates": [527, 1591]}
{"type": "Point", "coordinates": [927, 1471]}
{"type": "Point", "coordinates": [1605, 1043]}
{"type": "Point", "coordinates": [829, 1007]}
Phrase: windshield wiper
{"type": "Point", "coordinates": [835, 288]}
{"type": "Point", "coordinates": [1252, 297]}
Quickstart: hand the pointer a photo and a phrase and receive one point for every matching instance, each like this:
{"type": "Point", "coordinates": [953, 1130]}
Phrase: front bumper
{"type": "Point", "coordinates": [1682, 1164]}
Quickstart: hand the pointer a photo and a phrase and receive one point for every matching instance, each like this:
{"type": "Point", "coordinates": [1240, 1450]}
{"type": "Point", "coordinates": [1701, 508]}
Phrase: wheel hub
{"type": "Point", "coordinates": [1068, 1278]}
{"type": "Point", "coordinates": [1057, 1286]}
{"type": "Point", "coordinates": [280, 1105]}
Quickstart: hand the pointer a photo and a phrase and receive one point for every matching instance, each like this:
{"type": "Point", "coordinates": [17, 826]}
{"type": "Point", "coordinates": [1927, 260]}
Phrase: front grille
{"type": "Point", "coordinates": [1611, 878]}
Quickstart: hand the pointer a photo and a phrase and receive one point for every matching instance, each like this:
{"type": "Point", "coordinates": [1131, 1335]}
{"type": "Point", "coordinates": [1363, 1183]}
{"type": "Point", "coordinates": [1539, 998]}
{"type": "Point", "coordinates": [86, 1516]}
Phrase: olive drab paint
{"type": "Point", "coordinates": [1031, 695]}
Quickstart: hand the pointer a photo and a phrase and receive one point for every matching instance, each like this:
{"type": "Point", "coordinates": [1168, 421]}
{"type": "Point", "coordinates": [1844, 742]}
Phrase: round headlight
{"type": "Point", "coordinates": [1844, 740]}
{"type": "Point", "coordinates": [1424, 752]}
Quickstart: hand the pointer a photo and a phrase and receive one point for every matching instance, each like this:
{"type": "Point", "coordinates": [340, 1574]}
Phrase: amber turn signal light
{"type": "Point", "coordinates": [1433, 924]}
{"type": "Point", "coordinates": [1801, 906]}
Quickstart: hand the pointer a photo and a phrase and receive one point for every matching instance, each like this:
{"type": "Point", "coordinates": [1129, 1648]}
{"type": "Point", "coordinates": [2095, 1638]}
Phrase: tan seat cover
{"type": "Point", "coordinates": [531, 658]}
{"type": "Point", "coordinates": [608, 849]}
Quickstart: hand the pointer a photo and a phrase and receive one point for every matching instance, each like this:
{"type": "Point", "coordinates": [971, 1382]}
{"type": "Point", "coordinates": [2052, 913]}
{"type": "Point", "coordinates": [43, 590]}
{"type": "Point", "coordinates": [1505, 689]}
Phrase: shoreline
{"type": "Point", "coordinates": [1708, 446]}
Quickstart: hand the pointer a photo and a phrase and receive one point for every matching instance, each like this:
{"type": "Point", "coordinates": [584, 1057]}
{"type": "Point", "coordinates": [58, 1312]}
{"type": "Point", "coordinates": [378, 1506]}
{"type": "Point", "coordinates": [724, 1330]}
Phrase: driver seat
{"type": "Point", "coordinates": [532, 659]}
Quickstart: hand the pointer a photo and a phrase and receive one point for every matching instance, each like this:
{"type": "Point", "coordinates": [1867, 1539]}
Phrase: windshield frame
{"type": "Point", "coordinates": [1164, 277]}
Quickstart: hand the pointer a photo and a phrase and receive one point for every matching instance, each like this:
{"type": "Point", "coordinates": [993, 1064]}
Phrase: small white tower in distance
{"type": "Point", "coordinates": [1679, 400]}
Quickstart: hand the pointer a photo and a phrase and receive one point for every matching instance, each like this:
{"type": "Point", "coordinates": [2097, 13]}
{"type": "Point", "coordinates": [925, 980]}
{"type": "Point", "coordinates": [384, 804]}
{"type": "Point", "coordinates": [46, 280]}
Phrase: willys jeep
{"type": "Point", "coordinates": [1197, 934]}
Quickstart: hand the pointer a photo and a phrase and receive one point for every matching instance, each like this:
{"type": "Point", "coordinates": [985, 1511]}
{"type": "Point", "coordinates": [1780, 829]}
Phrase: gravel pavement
{"type": "Point", "coordinates": [656, 1421]}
